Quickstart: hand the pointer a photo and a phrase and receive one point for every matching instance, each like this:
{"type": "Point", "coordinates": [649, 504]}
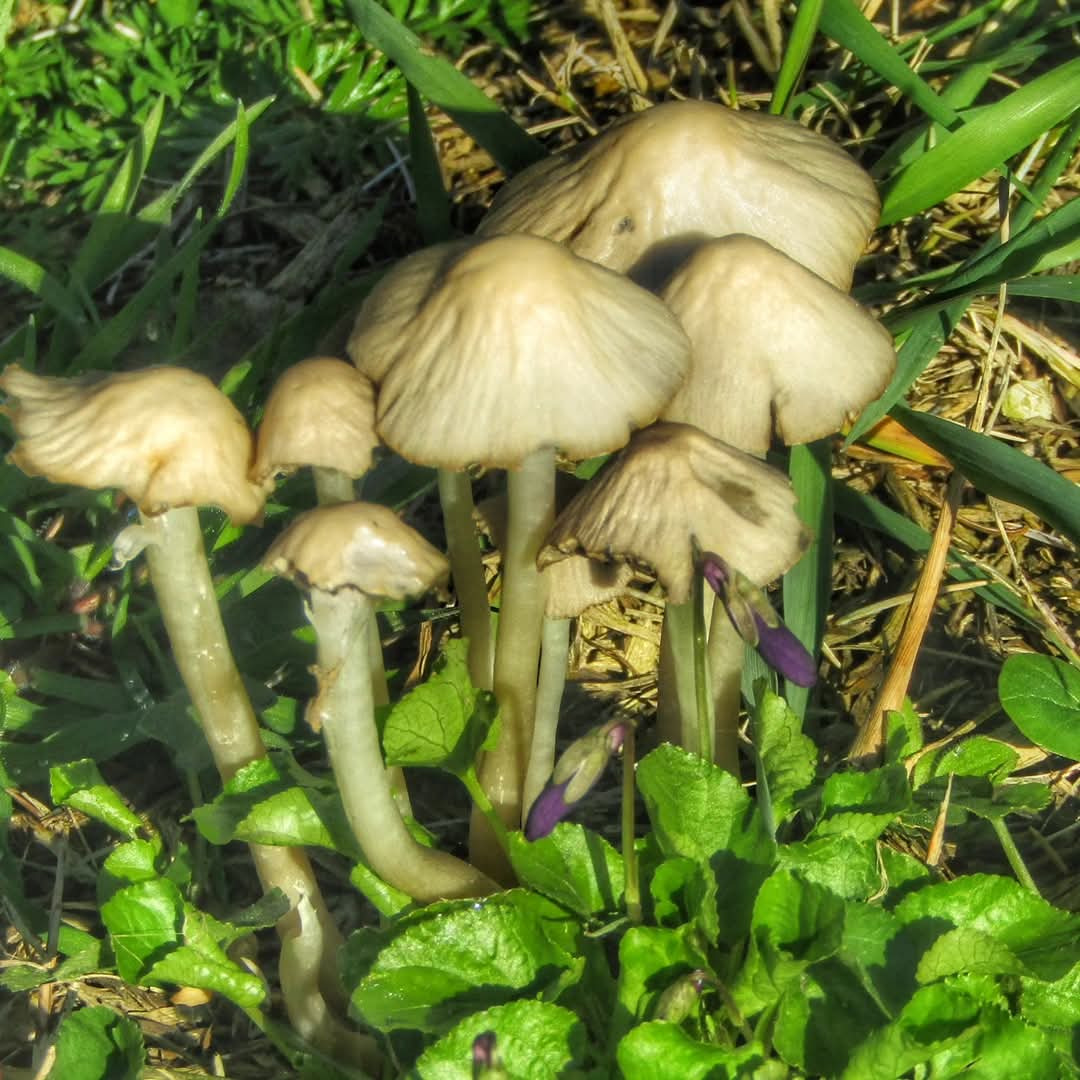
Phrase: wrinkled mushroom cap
{"type": "Point", "coordinates": [574, 582]}
{"type": "Point", "coordinates": [361, 546]}
{"type": "Point", "coordinates": [639, 196]}
{"type": "Point", "coordinates": [321, 412]}
{"type": "Point", "coordinates": [166, 436]}
{"type": "Point", "coordinates": [673, 483]}
{"type": "Point", "coordinates": [772, 343]}
{"type": "Point", "coordinates": [484, 351]}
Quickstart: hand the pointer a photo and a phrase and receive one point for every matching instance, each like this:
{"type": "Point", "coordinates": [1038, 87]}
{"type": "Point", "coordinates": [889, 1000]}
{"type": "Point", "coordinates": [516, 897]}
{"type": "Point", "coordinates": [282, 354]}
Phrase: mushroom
{"type": "Point", "coordinates": [498, 353]}
{"type": "Point", "coordinates": [170, 440]}
{"type": "Point", "coordinates": [321, 413]}
{"type": "Point", "coordinates": [772, 346]}
{"type": "Point", "coordinates": [643, 194]}
{"type": "Point", "coordinates": [775, 349]}
{"type": "Point", "coordinates": [345, 556]}
{"type": "Point", "coordinates": [672, 488]}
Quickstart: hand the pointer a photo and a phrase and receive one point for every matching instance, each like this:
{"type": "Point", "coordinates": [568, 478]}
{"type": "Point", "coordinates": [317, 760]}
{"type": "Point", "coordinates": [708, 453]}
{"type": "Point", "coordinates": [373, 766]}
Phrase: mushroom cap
{"type": "Point", "coordinates": [772, 344]}
{"type": "Point", "coordinates": [320, 412]}
{"type": "Point", "coordinates": [361, 546]}
{"type": "Point", "coordinates": [672, 484]}
{"type": "Point", "coordinates": [166, 436]}
{"type": "Point", "coordinates": [484, 351]}
{"type": "Point", "coordinates": [574, 582]}
{"type": "Point", "coordinates": [639, 196]}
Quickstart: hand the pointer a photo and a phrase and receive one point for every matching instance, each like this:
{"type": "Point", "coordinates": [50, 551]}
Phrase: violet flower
{"type": "Point", "coordinates": [483, 1054]}
{"type": "Point", "coordinates": [575, 774]}
{"type": "Point", "coordinates": [756, 622]}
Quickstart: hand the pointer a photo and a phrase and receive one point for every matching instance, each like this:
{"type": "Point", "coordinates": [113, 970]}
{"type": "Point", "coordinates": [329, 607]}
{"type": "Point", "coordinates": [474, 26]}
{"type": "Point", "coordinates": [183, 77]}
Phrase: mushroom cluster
{"type": "Point", "coordinates": [672, 293]}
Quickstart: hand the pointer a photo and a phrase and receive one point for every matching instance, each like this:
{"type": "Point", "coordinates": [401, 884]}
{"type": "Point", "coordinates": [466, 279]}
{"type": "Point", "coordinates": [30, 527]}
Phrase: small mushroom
{"type": "Point", "coordinates": [639, 197]}
{"type": "Point", "coordinates": [320, 413]}
{"type": "Point", "coordinates": [671, 490]}
{"type": "Point", "coordinates": [171, 441]}
{"type": "Point", "coordinates": [345, 556]}
{"type": "Point", "coordinates": [498, 353]}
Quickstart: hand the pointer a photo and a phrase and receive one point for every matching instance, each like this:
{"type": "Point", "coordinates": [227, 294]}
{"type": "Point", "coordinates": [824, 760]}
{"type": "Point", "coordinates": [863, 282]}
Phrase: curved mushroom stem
{"type": "Point", "coordinates": [555, 649]}
{"type": "Point", "coordinates": [332, 486]}
{"type": "Point", "coordinates": [531, 492]}
{"type": "Point", "coordinates": [344, 709]}
{"type": "Point", "coordinates": [189, 610]}
{"type": "Point", "coordinates": [455, 495]}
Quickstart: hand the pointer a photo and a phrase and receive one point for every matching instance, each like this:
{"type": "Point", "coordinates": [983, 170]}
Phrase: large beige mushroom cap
{"type": "Point", "coordinates": [673, 484]}
{"type": "Point", "coordinates": [361, 546]}
{"type": "Point", "coordinates": [321, 412]}
{"type": "Point", "coordinates": [485, 351]}
{"type": "Point", "coordinates": [772, 344]}
{"type": "Point", "coordinates": [641, 195]}
{"type": "Point", "coordinates": [166, 436]}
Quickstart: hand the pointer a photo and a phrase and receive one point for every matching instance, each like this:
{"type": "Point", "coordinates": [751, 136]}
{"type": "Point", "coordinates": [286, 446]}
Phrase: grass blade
{"type": "Point", "coordinates": [1000, 470]}
{"type": "Point", "coordinates": [984, 143]}
{"type": "Point", "coordinates": [800, 41]}
{"type": "Point", "coordinates": [34, 278]}
{"type": "Point", "coordinates": [445, 87]}
{"type": "Point", "coordinates": [842, 21]}
{"type": "Point", "coordinates": [432, 202]}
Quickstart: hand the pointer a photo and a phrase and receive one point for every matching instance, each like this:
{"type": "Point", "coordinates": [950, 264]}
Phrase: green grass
{"type": "Point", "coordinates": [140, 154]}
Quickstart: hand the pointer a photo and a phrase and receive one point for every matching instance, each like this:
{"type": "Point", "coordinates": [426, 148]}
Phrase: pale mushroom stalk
{"type": "Point", "coordinates": [554, 651]}
{"type": "Point", "coordinates": [332, 485]}
{"type": "Point", "coordinates": [455, 495]}
{"type": "Point", "coordinates": [345, 711]}
{"type": "Point", "coordinates": [685, 680]}
{"type": "Point", "coordinates": [726, 651]}
{"type": "Point", "coordinates": [517, 649]}
{"type": "Point", "coordinates": [192, 619]}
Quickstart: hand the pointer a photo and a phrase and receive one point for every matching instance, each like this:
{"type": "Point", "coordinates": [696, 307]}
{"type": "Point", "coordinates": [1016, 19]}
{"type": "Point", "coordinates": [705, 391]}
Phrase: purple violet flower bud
{"type": "Point", "coordinates": [547, 811]}
{"type": "Point", "coordinates": [575, 774]}
{"type": "Point", "coordinates": [483, 1054]}
{"type": "Point", "coordinates": [757, 623]}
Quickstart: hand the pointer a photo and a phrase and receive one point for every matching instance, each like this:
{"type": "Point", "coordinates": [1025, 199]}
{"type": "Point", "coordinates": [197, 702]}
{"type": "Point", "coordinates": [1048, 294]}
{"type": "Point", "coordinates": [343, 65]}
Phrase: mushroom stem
{"type": "Point", "coordinates": [531, 492]}
{"type": "Point", "coordinates": [725, 653]}
{"type": "Point", "coordinates": [332, 485]}
{"type": "Point", "coordinates": [344, 709]}
{"type": "Point", "coordinates": [189, 609]}
{"type": "Point", "coordinates": [554, 651]}
{"type": "Point", "coordinates": [455, 494]}
{"type": "Point", "coordinates": [678, 709]}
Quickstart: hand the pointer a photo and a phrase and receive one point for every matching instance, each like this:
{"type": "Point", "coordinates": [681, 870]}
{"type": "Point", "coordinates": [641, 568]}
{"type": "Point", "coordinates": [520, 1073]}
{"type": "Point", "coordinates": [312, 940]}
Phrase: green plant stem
{"type": "Point", "coordinates": [189, 610]}
{"type": "Point", "coordinates": [702, 694]}
{"type": "Point", "coordinates": [345, 711]}
{"type": "Point", "coordinates": [554, 651]}
{"type": "Point", "coordinates": [484, 805]}
{"type": "Point", "coordinates": [455, 495]}
{"type": "Point", "coordinates": [629, 846]}
{"type": "Point", "coordinates": [1012, 853]}
{"type": "Point", "coordinates": [726, 652]}
{"type": "Point", "coordinates": [531, 492]}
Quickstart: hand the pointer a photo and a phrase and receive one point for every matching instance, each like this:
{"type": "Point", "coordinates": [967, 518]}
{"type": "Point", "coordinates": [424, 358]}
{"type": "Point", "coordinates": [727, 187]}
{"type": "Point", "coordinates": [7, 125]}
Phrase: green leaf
{"type": "Point", "coordinates": [445, 87]}
{"type": "Point", "coordinates": [661, 1049]}
{"type": "Point", "coordinates": [534, 1040]}
{"type": "Point", "coordinates": [1041, 694]}
{"type": "Point", "coordinates": [788, 758]}
{"type": "Point", "coordinates": [863, 804]}
{"type": "Point", "coordinates": [1046, 939]}
{"type": "Point", "coordinates": [841, 864]}
{"type": "Point", "coordinates": [1000, 470]}
{"type": "Point", "coordinates": [572, 866]}
{"type": "Point", "coordinates": [443, 722]}
{"type": "Point", "coordinates": [984, 142]}
{"type": "Point", "coordinates": [967, 951]}
{"type": "Point", "coordinates": [98, 1044]}
{"type": "Point", "coordinates": [144, 923]}
{"type": "Point", "coordinates": [702, 812]}
{"type": "Point", "coordinates": [650, 960]}
{"type": "Point", "coordinates": [80, 785]}
{"type": "Point", "coordinates": [133, 861]}
{"type": "Point", "coordinates": [432, 970]}
{"type": "Point", "coordinates": [989, 758]}
{"type": "Point", "coordinates": [1052, 1004]}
